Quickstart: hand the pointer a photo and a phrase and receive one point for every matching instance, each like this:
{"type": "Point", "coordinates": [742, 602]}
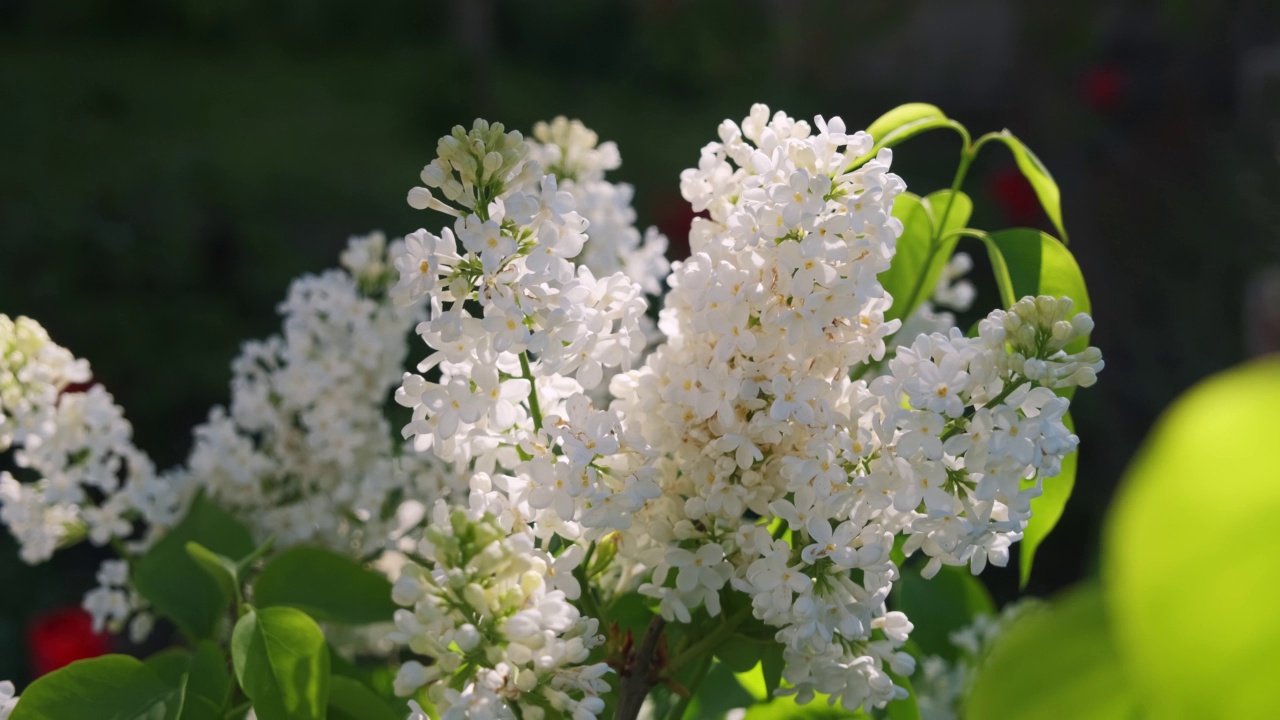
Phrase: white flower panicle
{"type": "Point", "coordinates": [739, 473]}
{"type": "Point", "coordinates": [520, 332]}
{"type": "Point", "coordinates": [748, 410]}
{"type": "Point", "coordinates": [493, 613]}
{"type": "Point", "coordinates": [304, 450]}
{"type": "Point", "coordinates": [78, 473]}
{"type": "Point", "coordinates": [749, 423]}
{"type": "Point", "coordinates": [572, 153]}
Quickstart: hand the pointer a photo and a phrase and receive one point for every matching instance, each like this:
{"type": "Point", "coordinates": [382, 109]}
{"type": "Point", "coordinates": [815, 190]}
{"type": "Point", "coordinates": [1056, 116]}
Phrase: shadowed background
{"type": "Point", "coordinates": [168, 166]}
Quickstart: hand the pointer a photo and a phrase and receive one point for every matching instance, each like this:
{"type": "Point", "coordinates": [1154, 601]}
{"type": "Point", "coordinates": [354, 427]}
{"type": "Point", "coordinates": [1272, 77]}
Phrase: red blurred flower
{"type": "Point", "coordinates": [1102, 87]}
{"type": "Point", "coordinates": [1015, 196]}
{"type": "Point", "coordinates": [674, 215]}
{"type": "Point", "coordinates": [60, 637]}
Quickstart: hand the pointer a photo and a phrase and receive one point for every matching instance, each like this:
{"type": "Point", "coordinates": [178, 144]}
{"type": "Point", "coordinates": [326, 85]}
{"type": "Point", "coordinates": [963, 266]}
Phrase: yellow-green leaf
{"type": "Point", "coordinates": [1056, 662]}
{"type": "Point", "coordinates": [1190, 549]}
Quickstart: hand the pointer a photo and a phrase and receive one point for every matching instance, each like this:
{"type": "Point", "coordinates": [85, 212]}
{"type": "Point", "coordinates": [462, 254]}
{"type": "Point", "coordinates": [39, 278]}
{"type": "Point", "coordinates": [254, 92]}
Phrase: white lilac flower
{"type": "Point", "coordinates": [572, 153]}
{"type": "Point", "coordinates": [303, 451]}
{"type": "Point", "coordinates": [502, 640]}
{"type": "Point", "coordinates": [747, 417]}
{"type": "Point", "coordinates": [8, 699]}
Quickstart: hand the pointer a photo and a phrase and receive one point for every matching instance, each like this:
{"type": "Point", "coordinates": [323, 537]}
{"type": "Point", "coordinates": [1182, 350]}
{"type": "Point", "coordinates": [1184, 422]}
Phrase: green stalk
{"type": "Point", "coordinates": [534, 408]}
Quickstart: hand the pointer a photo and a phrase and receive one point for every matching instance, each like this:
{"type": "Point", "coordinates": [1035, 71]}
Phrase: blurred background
{"type": "Point", "coordinates": [168, 166]}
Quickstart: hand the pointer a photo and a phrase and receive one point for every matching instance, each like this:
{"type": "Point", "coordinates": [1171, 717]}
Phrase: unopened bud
{"type": "Point", "coordinates": [419, 198]}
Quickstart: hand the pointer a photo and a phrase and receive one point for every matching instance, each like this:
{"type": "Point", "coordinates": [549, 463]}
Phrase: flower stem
{"type": "Point", "coordinates": [534, 409]}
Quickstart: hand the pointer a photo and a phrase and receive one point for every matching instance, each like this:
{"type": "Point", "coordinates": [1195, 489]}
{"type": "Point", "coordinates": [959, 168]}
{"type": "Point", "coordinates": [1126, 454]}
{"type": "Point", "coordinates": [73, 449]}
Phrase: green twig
{"type": "Point", "coordinates": [534, 408]}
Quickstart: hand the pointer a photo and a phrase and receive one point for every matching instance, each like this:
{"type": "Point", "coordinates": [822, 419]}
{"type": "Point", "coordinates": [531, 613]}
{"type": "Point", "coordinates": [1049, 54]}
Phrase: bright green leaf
{"type": "Point", "coordinates": [909, 261]}
{"type": "Point", "coordinates": [327, 586]}
{"type": "Point", "coordinates": [1047, 509]}
{"type": "Point", "coordinates": [111, 687]}
{"type": "Point", "coordinates": [1041, 181]}
{"type": "Point", "coordinates": [924, 248]}
{"type": "Point", "coordinates": [282, 663]}
{"type": "Point", "coordinates": [1189, 550]}
{"type": "Point", "coordinates": [940, 606]}
{"type": "Point", "coordinates": [176, 585]}
{"type": "Point", "coordinates": [904, 122]}
{"type": "Point", "coordinates": [219, 567]}
{"type": "Point", "coordinates": [1055, 662]}
{"type": "Point", "coordinates": [351, 700]}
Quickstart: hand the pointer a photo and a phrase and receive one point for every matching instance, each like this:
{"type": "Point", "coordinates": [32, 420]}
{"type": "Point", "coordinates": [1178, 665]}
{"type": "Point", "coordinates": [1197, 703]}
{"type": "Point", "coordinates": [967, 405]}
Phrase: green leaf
{"type": "Point", "coordinates": [717, 694]}
{"type": "Point", "coordinates": [204, 672]}
{"type": "Point", "coordinates": [208, 683]}
{"type": "Point", "coordinates": [631, 612]}
{"type": "Point", "coordinates": [169, 664]}
{"type": "Point", "coordinates": [1056, 662]}
{"type": "Point", "coordinates": [176, 584]}
{"type": "Point", "coordinates": [1047, 509]}
{"type": "Point", "coordinates": [1038, 175]}
{"type": "Point", "coordinates": [111, 687]}
{"type": "Point", "coordinates": [904, 122]}
{"type": "Point", "coordinates": [940, 606]}
{"type": "Point", "coordinates": [282, 663]}
{"type": "Point", "coordinates": [1189, 550]}
{"type": "Point", "coordinates": [740, 653]}
{"type": "Point", "coordinates": [351, 700]}
{"type": "Point", "coordinates": [327, 586]}
{"type": "Point", "coordinates": [379, 678]}
{"type": "Point", "coordinates": [961, 209]}
{"type": "Point", "coordinates": [924, 248]}
{"type": "Point", "coordinates": [219, 567]}
{"type": "Point", "coordinates": [909, 260]}
{"type": "Point", "coordinates": [1035, 263]}
{"type": "Point", "coordinates": [771, 666]}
